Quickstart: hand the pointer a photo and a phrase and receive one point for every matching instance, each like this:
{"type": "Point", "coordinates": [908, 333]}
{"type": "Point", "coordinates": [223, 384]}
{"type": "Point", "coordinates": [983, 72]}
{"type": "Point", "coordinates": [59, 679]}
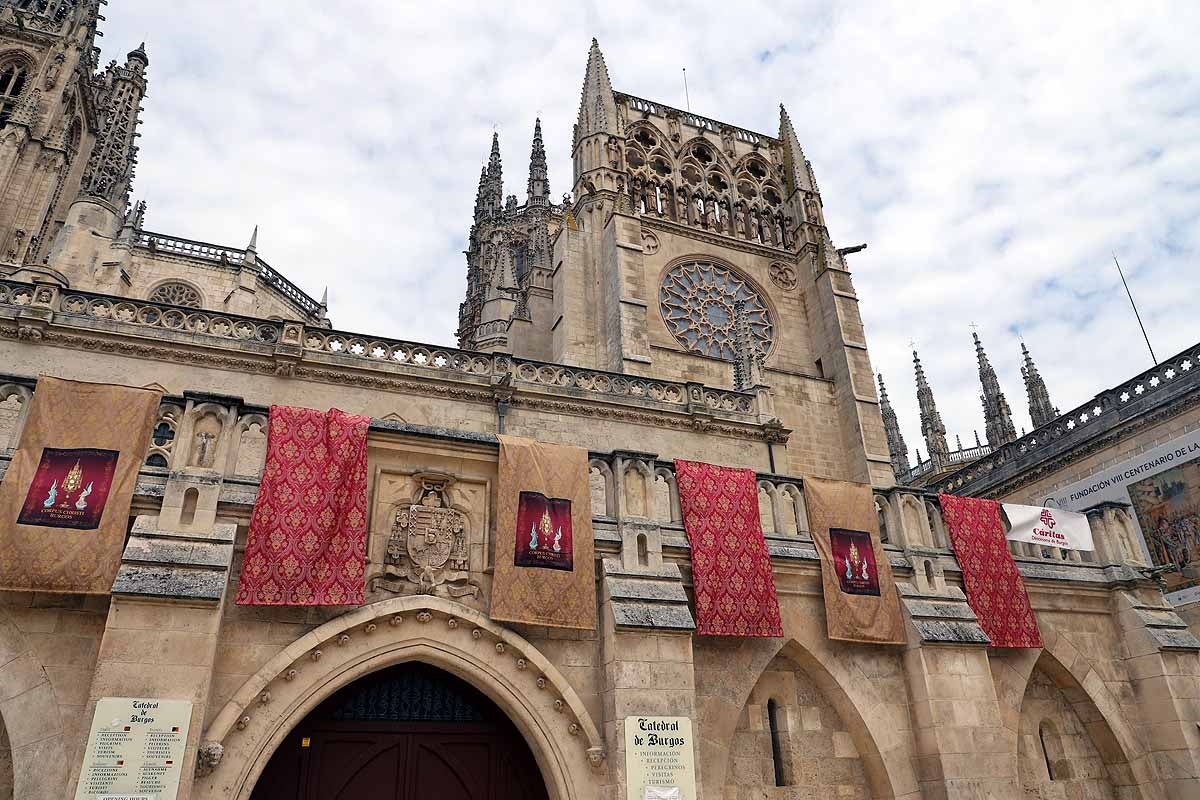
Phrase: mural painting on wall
{"type": "Point", "coordinates": [1167, 506]}
{"type": "Point", "coordinates": [1163, 487]}
{"type": "Point", "coordinates": [429, 542]}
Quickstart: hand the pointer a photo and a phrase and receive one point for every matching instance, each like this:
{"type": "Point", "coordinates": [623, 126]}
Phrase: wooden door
{"type": "Point", "coordinates": [408, 733]}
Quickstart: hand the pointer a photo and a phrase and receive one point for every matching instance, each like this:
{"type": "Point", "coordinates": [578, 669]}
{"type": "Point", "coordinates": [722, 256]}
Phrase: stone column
{"type": "Point", "coordinates": [647, 657]}
{"type": "Point", "coordinates": [160, 638]}
{"type": "Point", "coordinates": [962, 746]}
{"type": "Point", "coordinates": [1163, 659]}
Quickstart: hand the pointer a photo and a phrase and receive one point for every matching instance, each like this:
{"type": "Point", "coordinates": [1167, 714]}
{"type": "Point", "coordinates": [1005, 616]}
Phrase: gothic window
{"type": "Point", "coordinates": [697, 301]}
{"type": "Point", "coordinates": [14, 75]}
{"type": "Point", "coordinates": [176, 294]}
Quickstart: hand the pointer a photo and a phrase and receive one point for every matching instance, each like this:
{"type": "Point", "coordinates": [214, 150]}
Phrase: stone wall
{"type": "Point", "coordinates": [6, 765]}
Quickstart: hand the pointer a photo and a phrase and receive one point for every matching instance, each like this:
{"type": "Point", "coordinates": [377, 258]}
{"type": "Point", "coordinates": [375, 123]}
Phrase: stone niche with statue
{"type": "Point", "coordinates": [429, 521]}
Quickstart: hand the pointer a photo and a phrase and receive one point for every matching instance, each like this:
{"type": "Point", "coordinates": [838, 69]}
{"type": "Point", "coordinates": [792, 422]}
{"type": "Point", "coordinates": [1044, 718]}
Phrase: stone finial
{"type": "Point", "coordinates": [895, 439]}
{"type": "Point", "coordinates": [932, 428]}
{"type": "Point", "coordinates": [997, 417]}
{"type": "Point", "coordinates": [538, 189]}
{"type": "Point", "coordinates": [1041, 410]}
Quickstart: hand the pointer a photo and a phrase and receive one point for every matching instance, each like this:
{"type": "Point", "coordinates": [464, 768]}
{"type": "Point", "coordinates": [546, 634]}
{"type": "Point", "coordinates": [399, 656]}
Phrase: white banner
{"type": "Point", "coordinates": [1049, 526]}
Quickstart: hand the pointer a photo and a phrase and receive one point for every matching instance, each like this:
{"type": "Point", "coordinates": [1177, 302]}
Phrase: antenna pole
{"type": "Point", "coordinates": [685, 91]}
{"type": "Point", "coordinates": [1124, 283]}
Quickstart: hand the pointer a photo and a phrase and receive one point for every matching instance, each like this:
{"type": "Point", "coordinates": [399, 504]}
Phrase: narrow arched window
{"type": "Point", "coordinates": [776, 743]}
{"type": "Point", "coordinates": [1051, 749]}
{"type": "Point", "coordinates": [191, 499]}
{"type": "Point", "coordinates": [14, 75]}
{"type": "Point", "coordinates": [643, 553]}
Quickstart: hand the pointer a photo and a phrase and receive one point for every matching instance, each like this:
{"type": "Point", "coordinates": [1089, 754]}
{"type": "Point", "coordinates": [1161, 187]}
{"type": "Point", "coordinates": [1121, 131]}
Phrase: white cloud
{"type": "Point", "coordinates": [992, 155]}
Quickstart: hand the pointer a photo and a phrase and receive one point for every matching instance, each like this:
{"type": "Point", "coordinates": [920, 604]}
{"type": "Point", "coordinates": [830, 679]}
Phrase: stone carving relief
{"type": "Point", "coordinates": [252, 448]}
{"type": "Point", "coordinates": [783, 275]}
{"type": "Point", "coordinates": [649, 243]}
{"type": "Point", "coordinates": [206, 436]}
{"type": "Point", "coordinates": [429, 544]}
{"type": "Point", "coordinates": [12, 402]}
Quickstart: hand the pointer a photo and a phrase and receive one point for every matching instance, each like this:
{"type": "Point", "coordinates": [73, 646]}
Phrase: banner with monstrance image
{"type": "Point", "coordinates": [64, 502]}
{"type": "Point", "coordinates": [544, 571]}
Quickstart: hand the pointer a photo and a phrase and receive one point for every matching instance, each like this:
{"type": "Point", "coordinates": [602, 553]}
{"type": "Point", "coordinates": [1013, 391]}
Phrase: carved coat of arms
{"type": "Point", "coordinates": [429, 541]}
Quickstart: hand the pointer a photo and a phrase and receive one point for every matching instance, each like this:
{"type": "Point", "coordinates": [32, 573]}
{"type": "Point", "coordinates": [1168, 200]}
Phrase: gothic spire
{"type": "Point", "coordinates": [798, 171]}
{"type": "Point", "coordinates": [494, 190]}
{"type": "Point", "coordinates": [1041, 410]}
{"type": "Point", "coordinates": [997, 416]}
{"type": "Point", "coordinates": [597, 106]}
{"type": "Point", "coordinates": [110, 168]}
{"type": "Point", "coordinates": [480, 204]}
{"type": "Point", "coordinates": [538, 192]}
{"type": "Point", "coordinates": [895, 440]}
{"type": "Point", "coordinates": [932, 428]}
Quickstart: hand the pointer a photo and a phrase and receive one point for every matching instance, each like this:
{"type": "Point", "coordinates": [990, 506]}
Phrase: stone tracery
{"type": "Point", "coordinates": [698, 302]}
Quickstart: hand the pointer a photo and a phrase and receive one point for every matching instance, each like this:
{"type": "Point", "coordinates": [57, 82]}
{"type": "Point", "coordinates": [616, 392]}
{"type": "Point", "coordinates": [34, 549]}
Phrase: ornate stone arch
{"type": "Point", "coordinates": [1111, 731]}
{"type": "Point", "coordinates": [508, 669]}
{"type": "Point", "coordinates": [659, 137]}
{"type": "Point", "coordinates": [29, 709]}
{"type": "Point", "coordinates": [718, 157]}
{"type": "Point", "coordinates": [875, 721]}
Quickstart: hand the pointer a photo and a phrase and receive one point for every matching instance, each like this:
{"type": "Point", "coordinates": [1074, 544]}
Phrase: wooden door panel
{"type": "Point", "coordinates": [442, 769]}
{"type": "Point", "coordinates": [368, 766]}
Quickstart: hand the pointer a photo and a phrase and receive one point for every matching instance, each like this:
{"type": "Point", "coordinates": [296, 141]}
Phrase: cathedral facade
{"type": "Point", "coordinates": [683, 300]}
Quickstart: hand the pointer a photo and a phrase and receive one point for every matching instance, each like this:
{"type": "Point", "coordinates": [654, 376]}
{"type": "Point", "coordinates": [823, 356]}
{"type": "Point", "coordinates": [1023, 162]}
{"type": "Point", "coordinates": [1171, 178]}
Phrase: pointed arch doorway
{"type": "Point", "coordinates": [405, 732]}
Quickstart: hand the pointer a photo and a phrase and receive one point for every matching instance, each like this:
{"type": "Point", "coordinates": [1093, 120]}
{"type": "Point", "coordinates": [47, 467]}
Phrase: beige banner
{"type": "Point", "coordinates": [545, 573]}
{"type": "Point", "coordinates": [64, 502]}
{"type": "Point", "coordinates": [853, 613]}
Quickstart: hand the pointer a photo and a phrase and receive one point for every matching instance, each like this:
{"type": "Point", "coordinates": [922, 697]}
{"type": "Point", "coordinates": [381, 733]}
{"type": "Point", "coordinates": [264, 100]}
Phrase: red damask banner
{"type": "Point", "coordinates": [731, 569]}
{"type": "Point", "coordinates": [994, 587]}
{"type": "Point", "coordinates": [307, 544]}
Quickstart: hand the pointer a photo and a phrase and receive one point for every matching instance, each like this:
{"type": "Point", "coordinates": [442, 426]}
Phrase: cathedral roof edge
{"type": "Point", "coordinates": [697, 120]}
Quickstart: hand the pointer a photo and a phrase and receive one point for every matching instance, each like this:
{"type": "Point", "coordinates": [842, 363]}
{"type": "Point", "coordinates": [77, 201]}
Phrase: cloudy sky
{"type": "Point", "coordinates": [993, 156]}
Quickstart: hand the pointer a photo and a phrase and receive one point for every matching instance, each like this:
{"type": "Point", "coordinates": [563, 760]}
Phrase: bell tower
{"type": "Point", "coordinates": [66, 128]}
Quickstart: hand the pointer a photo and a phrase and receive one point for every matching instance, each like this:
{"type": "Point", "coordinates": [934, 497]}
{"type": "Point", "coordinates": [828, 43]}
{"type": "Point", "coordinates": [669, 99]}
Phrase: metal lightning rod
{"type": "Point", "coordinates": [1124, 283]}
{"type": "Point", "coordinates": [686, 97]}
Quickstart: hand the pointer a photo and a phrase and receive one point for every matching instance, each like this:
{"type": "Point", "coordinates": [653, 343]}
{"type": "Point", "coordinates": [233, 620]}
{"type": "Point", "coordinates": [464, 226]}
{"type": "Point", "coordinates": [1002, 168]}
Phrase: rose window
{"type": "Point", "coordinates": [698, 301]}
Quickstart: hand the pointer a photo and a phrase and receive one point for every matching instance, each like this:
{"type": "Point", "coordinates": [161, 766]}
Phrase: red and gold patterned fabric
{"type": "Point", "coordinates": [731, 570]}
{"type": "Point", "coordinates": [308, 537]}
{"type": "Point", "coordinates": [994, 587]}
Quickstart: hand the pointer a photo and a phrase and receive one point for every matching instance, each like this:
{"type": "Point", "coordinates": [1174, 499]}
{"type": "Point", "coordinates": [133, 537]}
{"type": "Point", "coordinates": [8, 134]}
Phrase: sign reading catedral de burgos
{"type": "Point", "coordinates": [659, 763]}
{"type": "Point", "coordinates": [135, 749]}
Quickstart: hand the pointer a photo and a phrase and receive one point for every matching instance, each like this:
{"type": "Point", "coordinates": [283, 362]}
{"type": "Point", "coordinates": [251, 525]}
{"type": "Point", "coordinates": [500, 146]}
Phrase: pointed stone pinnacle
{"type": "Point", "coordinates": [253, 246]}
{"type": "Point", "coordinates": [325, 298]}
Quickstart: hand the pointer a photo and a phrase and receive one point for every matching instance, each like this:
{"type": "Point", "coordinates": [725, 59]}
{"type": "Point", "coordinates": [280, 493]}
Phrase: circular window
{"type": "Point", "coordinates": [698, 301]}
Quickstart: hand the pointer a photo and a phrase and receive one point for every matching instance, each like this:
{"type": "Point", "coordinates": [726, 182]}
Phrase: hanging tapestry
{"type": "Point", "coordinates": [545, 573]}
{"type": "Point", "coordinates": [731, 569]}
{"type": "Point", "coordinates": [861, 604]}
{"type": "Point", "coordinates": [995, 590]}
{"type": "Point", "coordinates": [307, 544]}
{"type": "Point", "coordinates": [64, 503]}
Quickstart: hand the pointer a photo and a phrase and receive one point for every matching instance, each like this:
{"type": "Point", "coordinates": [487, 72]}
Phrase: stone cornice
{"type": "Point", "coordinates": [261, 359]}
